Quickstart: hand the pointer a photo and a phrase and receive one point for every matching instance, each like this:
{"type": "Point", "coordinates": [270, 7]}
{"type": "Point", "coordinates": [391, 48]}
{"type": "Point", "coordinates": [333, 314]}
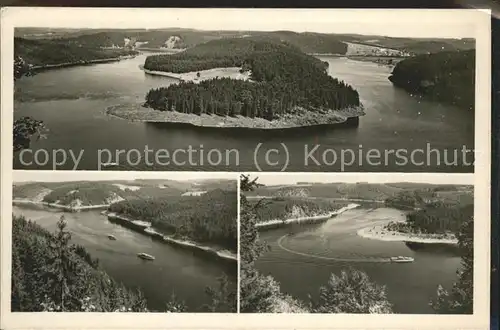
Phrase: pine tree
{"type": "Point", "coordinates": [61, 267]}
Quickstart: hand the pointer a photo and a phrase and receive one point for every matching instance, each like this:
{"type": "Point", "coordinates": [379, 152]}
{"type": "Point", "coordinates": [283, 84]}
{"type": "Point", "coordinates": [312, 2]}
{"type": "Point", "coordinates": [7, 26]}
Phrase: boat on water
{"type": "Point", "coordinates": [402, 259]}
{"type": "Point", "coordinates": [112, 237]}
{"type": "Point", "coordinates": [145, 256]}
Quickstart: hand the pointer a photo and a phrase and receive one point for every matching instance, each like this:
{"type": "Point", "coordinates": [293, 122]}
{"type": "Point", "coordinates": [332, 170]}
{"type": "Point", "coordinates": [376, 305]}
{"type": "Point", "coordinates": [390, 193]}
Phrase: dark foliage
{"type": "Point", "coordinates": [286, 208]}
{"type": "Point", "coordinates": [460, 299]}
{"type": "Point", "coordinates": [445, 76]}
{"type": "Point", "coordinates": [207, 218]}
{"type": "Point", "coordinates": [61, 51]}
{"type": "Point", "coordinates": [222, 298]}
{"type": "Point", "coordinates": [25, 128]}
{"type": "Point", "coordinates": [440, 218]}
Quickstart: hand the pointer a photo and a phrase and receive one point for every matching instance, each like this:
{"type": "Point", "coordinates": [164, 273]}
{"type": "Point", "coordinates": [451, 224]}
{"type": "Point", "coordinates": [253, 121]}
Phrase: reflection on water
{"type": "Point", "coordinates": [308, 256]}
{"type": "Point", "coordinates": [173, 270]}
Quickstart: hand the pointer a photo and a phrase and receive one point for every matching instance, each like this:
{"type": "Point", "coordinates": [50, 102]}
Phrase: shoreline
{"type": "Point", "coordinates": [145, 228]}
{"type": "Point", "coordinates": [66, 208]}
{"type": "Point", "coordinates": [136, 112]}
{"type": "Point", "coordinates": [378, 232]}
{"type": "Point", "coordinates": [71, 64]}
{"type": "Point", "coordinates": [274, 223]}
{"type": "Point", "coordinates": [229, 72]}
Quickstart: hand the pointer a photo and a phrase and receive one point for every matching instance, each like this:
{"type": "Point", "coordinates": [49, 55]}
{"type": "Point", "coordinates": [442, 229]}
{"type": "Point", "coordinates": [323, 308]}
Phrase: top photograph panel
{"type": "Point", "coordinates": [274, 90]}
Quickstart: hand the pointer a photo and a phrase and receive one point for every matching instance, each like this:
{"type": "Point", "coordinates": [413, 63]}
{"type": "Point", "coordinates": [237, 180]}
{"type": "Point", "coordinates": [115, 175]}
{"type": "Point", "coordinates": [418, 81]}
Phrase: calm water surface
{"type": "Point", "coordinates": [301, 259]}
{"type": "Point", "coordinates": [173, 271]}
{"type": "Point", "coordinates": [72, 104]}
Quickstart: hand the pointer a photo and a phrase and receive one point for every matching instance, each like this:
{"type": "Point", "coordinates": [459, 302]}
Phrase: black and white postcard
{"type": "Point", "coordinates": [229, 168]}
{"type": "Point", "coordinates": [91, 243]}
{"type": "Point", "coordinates": [246, 90]}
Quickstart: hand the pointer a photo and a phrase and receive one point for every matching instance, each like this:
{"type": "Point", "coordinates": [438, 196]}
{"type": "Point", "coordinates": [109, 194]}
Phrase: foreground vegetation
{"type": "Point", "coordinates": [283, 79]}
{"type": "Point", "coordinates": [207, 218]}
{"type": "Point", "coordinates": [50, 274]}
{"type": "Point", "coordinates": [445, 76]}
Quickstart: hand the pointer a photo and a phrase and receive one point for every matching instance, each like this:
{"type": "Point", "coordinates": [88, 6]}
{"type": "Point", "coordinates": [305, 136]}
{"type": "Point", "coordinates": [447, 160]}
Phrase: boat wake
{"type": "Point", "coordinates": [361, 259]}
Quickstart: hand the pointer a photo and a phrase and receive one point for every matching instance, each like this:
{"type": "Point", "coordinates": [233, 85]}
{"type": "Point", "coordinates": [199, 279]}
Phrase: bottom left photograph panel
{"type": "Point", "coordinates": [124, 242]}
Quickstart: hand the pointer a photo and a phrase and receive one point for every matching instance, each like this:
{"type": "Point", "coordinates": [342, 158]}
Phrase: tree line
{"type": "Point", "coordinates": [283, 78]}
{"type": "Point", "coordinates": [284, 208]}
{"type": "Point", "coordinates": [445, 76]}
{"type": "Point", "coordinates": [440, 218]}
{"type": "Point", "coordinates": [207, 218]}
{"type": "Point", "coordinates": [59, 51]}
{"type": "Point", "coordinates": [50, 274]}
{"type": "Point", "coordinates": [228, 52]}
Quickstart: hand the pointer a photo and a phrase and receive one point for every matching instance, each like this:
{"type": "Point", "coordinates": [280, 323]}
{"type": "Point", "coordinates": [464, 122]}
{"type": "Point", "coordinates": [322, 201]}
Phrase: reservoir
{"type": "Point", "coordinates": [174, 270]}
{"type": "Point", "coordinates": [302, 257]}
{"type": "Point", "coordinates": [72, 102]}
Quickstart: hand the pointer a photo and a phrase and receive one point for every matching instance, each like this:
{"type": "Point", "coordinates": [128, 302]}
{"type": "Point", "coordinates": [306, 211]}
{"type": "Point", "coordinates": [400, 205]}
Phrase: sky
{"type": "Point", "coordinates": [60, 176]}
{"type": "Point", "coordinates": [292, 178]}
{"type": "Point", "coordinates": [398, 23]}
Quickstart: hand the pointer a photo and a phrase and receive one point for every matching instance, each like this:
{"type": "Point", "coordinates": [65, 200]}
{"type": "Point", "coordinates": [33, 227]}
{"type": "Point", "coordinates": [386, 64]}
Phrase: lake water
{"type": "Point", "coordinates": [302, 257]}
{"type": "Point", "coordinates": [173, 271]}
{"type": "Point", "coordinates": [72, 102]}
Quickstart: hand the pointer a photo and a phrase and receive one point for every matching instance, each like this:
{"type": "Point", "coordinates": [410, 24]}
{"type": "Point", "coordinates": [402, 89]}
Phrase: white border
{"type": "Point", "coordinates": [478, 20]}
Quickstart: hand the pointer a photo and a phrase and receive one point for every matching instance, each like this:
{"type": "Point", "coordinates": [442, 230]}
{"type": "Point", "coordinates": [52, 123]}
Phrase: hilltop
{"type": "Point", "coordinates": [178, 38]}
{"type": "Point", "coordinates": [369, 191]}
{"type": "Point", "coordinates": [88, 193]}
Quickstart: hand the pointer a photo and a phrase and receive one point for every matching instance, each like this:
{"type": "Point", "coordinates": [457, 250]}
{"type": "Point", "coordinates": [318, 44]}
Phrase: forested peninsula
{"type": "Point", "coordinates": [209, 218]}
{"type": "Point", "coordinates": [285, 86]}
{"type": "Point", "coordinates": [445, 76]}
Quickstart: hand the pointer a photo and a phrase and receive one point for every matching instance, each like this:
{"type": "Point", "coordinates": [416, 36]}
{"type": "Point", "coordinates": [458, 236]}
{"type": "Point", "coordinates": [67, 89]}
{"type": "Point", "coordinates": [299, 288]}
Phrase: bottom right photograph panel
{"type": "Point", "coordinates": [333, 243]}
